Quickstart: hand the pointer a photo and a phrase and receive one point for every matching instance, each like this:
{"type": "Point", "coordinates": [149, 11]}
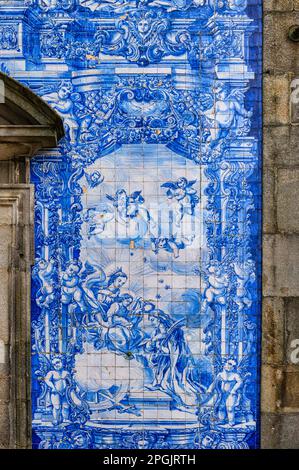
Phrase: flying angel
{"type": "Point", "coordinates": [118, 5]}
{"type": "Point", "coordinates": [185, 194]}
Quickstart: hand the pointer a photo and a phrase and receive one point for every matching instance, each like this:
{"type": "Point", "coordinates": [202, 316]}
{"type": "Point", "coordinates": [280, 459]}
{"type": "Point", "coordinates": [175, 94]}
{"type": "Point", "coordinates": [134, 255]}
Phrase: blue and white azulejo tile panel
{"type": "Point", "coordinates": [146, 286]}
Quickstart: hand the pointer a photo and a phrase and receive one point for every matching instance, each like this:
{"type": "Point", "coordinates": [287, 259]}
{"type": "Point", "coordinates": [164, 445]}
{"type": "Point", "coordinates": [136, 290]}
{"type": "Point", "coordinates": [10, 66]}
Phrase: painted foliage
{"type": "Point", "coordinates": [145, 292]}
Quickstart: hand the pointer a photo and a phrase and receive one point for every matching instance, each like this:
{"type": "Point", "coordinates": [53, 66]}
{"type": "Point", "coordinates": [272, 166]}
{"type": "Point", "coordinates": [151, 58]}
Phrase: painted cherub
{"type": "Point", "coordinates": [132, 218]}
{"type": "Point", "coordinates": [227, 110]}
{"type": "Point", "coordinates": [65, 395]}
{"type": "Point", "coordinates": [94, 179]}
{"type": "Point", "coordinates": [127, 205]}
{"type": "Point", "coordinates": [63, 101]}
{"type": "Point", "coordinates": [44, 272]}
{"type": "Point", "coordinates": [74, 294]}
{"type": "Point", "coordinates": [218, 282]}
{"type": "Point", "coordinates": [57, 380]}
{"type": "Point", "coordinates": [245, 273]}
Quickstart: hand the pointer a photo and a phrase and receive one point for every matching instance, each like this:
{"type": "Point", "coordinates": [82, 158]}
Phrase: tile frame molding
{"type": "Point", "coordinates": [28, 124]}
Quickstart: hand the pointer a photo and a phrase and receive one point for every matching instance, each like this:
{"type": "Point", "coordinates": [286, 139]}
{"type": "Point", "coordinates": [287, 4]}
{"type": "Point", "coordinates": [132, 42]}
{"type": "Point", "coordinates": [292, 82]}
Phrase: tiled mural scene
{"type": "Point", "coordinates": [146, 285]}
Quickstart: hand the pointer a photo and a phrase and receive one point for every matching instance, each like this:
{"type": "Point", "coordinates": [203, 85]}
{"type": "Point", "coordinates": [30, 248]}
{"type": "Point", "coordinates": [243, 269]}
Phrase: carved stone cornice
{"type": "Point", "coordinates": [27, 123]}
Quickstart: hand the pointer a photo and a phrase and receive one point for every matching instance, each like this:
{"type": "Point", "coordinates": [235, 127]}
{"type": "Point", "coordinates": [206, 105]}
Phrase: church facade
{"type": "Point", "coordinates": [146, 284]}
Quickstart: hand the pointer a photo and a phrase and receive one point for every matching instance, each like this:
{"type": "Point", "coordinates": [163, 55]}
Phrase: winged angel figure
{"type": "Point", "coordinates": [65, 101]}
{"type": "Point", "coordinates": [186, 196]}
{"type": "Point", "coordinates": [60, 391]}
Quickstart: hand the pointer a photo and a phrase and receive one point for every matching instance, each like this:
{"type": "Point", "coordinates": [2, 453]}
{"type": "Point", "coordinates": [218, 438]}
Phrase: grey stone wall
{"type": "Point", "coordinates": [280, 375]}
{"type": "Point", "coordinates": [19, 141]}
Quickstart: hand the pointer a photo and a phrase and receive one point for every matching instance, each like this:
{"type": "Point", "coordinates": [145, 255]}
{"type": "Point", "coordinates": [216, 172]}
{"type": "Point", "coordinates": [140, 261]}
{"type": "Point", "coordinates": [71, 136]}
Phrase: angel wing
{"type": "Point", "coordinates": [47, 90]}
{"type": "Point", "coordinates": [88, 269]}
{"type": "Point", "coordinates": [218, 364]}
{"type": "Point", "coordinates": [91, 182]}
{"type": "Point", "coordinates": [243, 364]}
{"type": "Point", "coordinates": [169, 184]}
{"type": "Point", "coordinates": [137, 195]}
{"type": "Point", "coordinates": [238, 94]}
{"type": "Point", "coordinates": [206, 101]}
{"type": "Point", "coordinates": [44, 365]}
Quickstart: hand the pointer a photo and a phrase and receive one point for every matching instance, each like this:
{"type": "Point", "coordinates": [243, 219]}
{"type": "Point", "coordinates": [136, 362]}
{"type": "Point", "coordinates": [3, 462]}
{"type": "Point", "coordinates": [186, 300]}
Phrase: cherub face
{"type": "Point", "coordinates": [182, 182]}
{"type": "Point", "coordinates": [162, 242]}
{"type": "Point", "coordinates": [143, 26]}
{"type": "Point", "coordinates": [95, 177]}
{"type": "Point", "coordinates": [72, 269]}
{"type": "Point", "coordinates": [230, 365]}
{"type": "Point", "coordinates": [143, 443]}
{"type": "Point", "coordinates": [64, 92]}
